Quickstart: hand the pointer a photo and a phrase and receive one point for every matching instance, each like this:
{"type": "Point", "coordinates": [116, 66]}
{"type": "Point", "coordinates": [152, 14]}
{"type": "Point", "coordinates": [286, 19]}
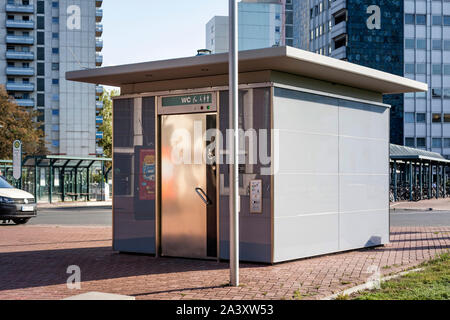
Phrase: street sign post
{"type": "Point", "coordinates": [17, 159]}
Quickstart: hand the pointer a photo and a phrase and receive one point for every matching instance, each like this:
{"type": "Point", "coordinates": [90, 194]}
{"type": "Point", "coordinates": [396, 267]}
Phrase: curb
{"type": "Point", "coordinates": [74, 205]}
{"type": "Point", "coordinates": [369, 285]}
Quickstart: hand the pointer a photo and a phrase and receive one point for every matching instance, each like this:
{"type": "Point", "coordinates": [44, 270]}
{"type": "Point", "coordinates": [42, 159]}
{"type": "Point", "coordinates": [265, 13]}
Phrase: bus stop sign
{"type": "Point", "coordinates": [17, 159]}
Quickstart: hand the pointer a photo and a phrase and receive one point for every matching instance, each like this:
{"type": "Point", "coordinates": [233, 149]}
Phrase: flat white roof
{"type": "Point", "coordinates": [283, 59]}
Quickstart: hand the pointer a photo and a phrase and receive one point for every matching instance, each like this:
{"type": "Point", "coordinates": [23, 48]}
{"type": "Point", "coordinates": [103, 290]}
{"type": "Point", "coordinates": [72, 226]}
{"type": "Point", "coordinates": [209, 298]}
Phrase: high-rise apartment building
{"type": "Point", "coordinates": [410, 38]}
{"type": "Point", "coordinates": [39, 42]}
{"type": "Point", "coordinates": [262, 24]}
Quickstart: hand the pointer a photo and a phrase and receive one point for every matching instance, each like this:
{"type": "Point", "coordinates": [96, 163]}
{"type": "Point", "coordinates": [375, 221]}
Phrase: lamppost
{"type": "Point", "coordinates": [234, 123]}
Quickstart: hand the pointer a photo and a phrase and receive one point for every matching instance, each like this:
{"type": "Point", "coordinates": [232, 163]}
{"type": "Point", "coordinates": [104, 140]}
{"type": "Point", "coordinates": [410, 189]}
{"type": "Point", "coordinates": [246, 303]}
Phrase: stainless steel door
{"type": "Point", "coordinates": [184, 199]}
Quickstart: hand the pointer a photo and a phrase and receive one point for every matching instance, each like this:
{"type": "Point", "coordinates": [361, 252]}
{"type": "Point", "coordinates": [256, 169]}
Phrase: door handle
{"type": "Point", "coordinates": [203, 196]}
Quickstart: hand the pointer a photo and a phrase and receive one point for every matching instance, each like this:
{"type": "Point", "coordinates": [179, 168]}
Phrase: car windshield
{"type": "Point", "coordinates": [4, 184]}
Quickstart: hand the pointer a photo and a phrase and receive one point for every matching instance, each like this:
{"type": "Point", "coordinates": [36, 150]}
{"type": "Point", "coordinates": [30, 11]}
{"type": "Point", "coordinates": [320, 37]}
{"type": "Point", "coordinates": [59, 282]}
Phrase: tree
{"type": "Point", "coordinates": [19, 123]}
{"type": "Point", "coordinates": [106, 127]}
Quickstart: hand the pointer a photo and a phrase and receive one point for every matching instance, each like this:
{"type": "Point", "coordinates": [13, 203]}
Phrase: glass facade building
{"type": "Point", "coordinates": [39, 42]}
{"type": "Point", "coordinates": [410, 38]}
{"type": "Point", "coordinates": [262, 24]}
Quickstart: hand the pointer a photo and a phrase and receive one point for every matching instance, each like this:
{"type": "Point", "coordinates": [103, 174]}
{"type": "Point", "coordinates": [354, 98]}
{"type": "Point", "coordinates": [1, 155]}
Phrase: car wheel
{"type": "Point", "coordinates": [21, 221]}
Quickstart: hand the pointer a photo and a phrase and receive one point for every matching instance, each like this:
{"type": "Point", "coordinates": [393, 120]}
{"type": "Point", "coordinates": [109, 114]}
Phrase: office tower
{"type": "Point", "coordinates": [39, 42]}
{"type": "Point", "coordinates": [262, 24]}
{"type": "Point", "coordinates": [407, 38]}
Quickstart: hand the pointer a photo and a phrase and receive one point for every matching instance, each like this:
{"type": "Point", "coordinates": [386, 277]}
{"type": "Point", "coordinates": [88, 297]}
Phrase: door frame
{"type": "Point", "coordinates": [158, 121]}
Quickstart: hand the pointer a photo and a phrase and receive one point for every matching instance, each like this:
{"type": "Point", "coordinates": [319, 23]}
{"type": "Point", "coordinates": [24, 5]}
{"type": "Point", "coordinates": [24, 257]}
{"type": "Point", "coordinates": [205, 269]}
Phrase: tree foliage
{"type": "Point", "coordinates": [19, 123]}
{"type": "Point", "coordinates": [106, 127]}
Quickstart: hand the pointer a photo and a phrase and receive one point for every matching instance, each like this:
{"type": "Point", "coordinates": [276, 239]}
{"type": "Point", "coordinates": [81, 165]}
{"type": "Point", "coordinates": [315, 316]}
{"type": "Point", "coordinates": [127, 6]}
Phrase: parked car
{"type": "Point", "coordinates": [16, 205]}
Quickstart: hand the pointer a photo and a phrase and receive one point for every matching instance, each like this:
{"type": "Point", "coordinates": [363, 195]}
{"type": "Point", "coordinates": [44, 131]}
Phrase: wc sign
{"type": "Point", "coordinates": [374, 20]}
{"type": "Point", "coordinates": [73, 17]}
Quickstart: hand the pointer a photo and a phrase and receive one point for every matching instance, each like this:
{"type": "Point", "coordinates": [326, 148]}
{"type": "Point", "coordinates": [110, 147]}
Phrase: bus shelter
{"type": "Point", "coordinates": [61, 178]}
{"type": "Point", "coordinates": [417, 174]}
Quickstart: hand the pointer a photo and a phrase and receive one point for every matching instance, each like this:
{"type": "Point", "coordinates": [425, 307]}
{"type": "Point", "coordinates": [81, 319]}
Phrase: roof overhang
{"type": "Point", "coordinates": [283, 59]}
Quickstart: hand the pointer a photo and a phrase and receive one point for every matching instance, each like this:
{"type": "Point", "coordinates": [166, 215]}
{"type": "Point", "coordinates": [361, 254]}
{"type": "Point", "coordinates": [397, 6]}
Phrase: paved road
{"type": "Point", "coordinates": [83, 216]}
{"type": "Point", "coordinates": [409, 218]}
{"type": "Point", "coordinates": [101, 216]}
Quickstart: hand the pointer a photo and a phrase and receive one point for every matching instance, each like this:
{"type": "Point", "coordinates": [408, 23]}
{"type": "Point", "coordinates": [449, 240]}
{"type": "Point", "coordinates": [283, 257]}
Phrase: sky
{"type": "Point", "coordinates": [148, 30]}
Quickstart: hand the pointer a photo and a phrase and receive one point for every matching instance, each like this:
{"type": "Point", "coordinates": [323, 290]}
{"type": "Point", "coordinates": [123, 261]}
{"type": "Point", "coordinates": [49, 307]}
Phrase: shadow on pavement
{"type": "Point", "coordinates": [19, 270]}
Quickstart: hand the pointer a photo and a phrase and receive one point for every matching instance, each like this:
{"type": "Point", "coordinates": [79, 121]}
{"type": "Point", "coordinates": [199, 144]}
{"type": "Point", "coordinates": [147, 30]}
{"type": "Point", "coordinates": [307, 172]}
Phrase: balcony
{"type": "Point", "coordinates": [25, 102]}
{"type": "Point", "coordinates": [340, 53]}
{"type": "Point", "coordinates": [19, 55]}
{"type": "Point", "coordinates": [99, 120]}
{"type": "Point", "coordinates": [17, 86]}
{"type": "Point", "coordinates": [20, 40]}
{"type": "Point", "coordinates": [16, 71]}
{"type": "Point", "coordinates": [19, 24]}
{"type": "Point", "coordinates": [337, 6]}
{"type": "Point", "coordinates": [339, 29]}
{"type": "Point", "coordinates": [98, 45]}
{"type": "Point", "coordinates": [98, 30]}
{"type": "Point", "coordinates": [98, 3]}
{"type": "Point", "coordinates": [99, 104]}
{"type": "Point", "coordinates": [98, 15]}
{"type": "Point", "coordinates": [99, 90]}
{"type": "Point", "coordinates": [98, 60]}
{"type": "Point", "coordinates": [19, 8]}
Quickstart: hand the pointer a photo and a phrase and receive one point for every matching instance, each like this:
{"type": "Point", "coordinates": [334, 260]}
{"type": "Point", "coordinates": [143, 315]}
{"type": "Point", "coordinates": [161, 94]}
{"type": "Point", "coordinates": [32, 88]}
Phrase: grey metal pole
{"type": "Point", "coordinates": [234, 124]}
{"type": "Point", "coordinates": [395, 181]}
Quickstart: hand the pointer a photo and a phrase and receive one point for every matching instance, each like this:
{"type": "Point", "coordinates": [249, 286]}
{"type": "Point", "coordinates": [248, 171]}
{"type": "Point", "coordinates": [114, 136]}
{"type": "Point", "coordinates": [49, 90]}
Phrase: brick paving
{"type": "Point", "coordinates": [34, 260]}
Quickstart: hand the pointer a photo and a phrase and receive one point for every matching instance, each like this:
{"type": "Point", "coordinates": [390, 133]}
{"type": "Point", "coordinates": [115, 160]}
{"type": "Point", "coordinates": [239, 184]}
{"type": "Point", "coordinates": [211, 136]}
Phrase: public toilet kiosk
{"type": "Point", "coordinates": [314, 155]}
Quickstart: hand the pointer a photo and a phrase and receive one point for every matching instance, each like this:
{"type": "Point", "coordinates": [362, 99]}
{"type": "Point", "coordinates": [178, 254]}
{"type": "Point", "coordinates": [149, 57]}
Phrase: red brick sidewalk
{"type": "Point", "coordinates": [34, 260]}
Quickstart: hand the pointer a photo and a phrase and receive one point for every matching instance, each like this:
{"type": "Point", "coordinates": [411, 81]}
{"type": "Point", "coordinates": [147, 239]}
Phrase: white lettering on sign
{"type": "Point", "coordinates": [186, 100]}
{"type": "Point", "coordinates": [374, 21]}
{"type": "Point", "coordinates": [73, 17]}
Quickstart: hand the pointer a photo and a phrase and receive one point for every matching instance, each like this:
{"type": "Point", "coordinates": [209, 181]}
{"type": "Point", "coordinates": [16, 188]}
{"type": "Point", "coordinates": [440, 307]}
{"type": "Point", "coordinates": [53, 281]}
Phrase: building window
{"type": "Point", "coordinates": [436, 93]}
{"type": "Point", "coordinates": [447, 69]}
{"type": "Point", "coordinates": [55, 143]}
{"type": "Point", "coordinates": [409, 142]}
{"type": "Point", "coordinates": [55, 20]}
{"type": "Point", "coordinates": [437, 45]}
{"type": "Point", "coordinates": [446, 20]}
{"type": "Point", "coordinates": [55, 66]}
{"type": "Point", "coordinates": [447, 93]}
{"type": "Point", "coordinates": [55, 4]}
{"type": "Point", "coordinates": [55, 50]}
{"type": "Point", "coordinates": [410, 44]}
{"type": "Point", "coordinates": [447, 117]}
{"type": "Point", "coordinates": [436, 118]}
{"type": "Point", "coordinates": [40, 7]}
{"type": "Point", "coordinates": [421, 19]}
{"type": "Point", "coordinates": [421, 143]}
{"type": "Point", "coordinates": [409, 19]}
{"type": "Point", "coordinates": [55, 112]}
{"type": "Point", "coordinates": [410, 68]}
{"type": "Point", "coordinates": [409, 117]}
{"type": "Point", "coordinates": [447, 45]}
{"type": "Point", "coordinates": [446, 143]}
{"type": "Point", "coordinates": [55, 81]}
{"type": "Point", "coordinates": [55, 35]}
{"type": "Point", "coordinates": [436, 143]}
{"type": "Point", "coordinates": [421, 44]}
{"type": "Point", "coordinates": [420, 118]}
{"type": "Point", "coordinates": [421, 68]}
{"type": "Point", "coordinates": [437, 69]}
{"type": "Point", "coordinates": [437, 20]}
